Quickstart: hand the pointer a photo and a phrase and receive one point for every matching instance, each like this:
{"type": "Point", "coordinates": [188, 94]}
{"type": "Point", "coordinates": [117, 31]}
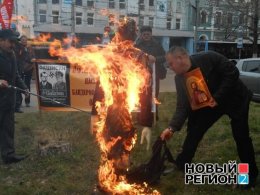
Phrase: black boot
{"type": "Point", "coordinates": [14, 159]}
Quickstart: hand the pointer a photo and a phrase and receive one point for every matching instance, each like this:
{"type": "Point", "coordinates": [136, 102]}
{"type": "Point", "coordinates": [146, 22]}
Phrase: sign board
{"type": "Point", "coordinates": [69, 86]}
{"type": "Point", "coordinates": [66, 5]}
{"type": "Point", "coordinates": [161, 8]}
{"type": "Point", "coordinates": [240, 43]}
{"type": "Point", "coordinates": [64, 83]}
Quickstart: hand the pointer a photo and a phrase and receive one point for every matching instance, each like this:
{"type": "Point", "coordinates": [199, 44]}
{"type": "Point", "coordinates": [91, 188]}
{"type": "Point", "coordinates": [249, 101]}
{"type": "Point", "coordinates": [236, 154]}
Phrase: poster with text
{"type": "Point", "coordinates": [63, 86]}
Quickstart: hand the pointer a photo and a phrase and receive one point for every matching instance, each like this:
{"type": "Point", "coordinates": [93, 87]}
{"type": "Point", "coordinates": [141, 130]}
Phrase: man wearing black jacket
{"type": "Point", "coordinates": [229, 96]}
{"type": "Point", "coordinates": [8, 76]}
{"type": "Point", "coordinates": [150, 46]}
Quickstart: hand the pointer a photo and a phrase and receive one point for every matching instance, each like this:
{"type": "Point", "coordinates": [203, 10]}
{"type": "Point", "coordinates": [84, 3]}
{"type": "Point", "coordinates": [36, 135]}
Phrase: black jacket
{"type": "Point", "coordinates": [155, 49]}
{"type": "Point", "coordinates": [222, 78]}
{"type": "Point", "coordinates": [8, 72]}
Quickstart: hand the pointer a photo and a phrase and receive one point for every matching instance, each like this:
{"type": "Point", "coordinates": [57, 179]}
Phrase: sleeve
{"type": "Point", "coordinates": [182, 107]}
{"type": "Point", "coordinates": [229, 74]}
{"type": "Point", "coordinates": [160, 57]}
{"type": "Point", "coordinates": [17, 78]}
{"type": "Point", "coordinates": [161, 70]}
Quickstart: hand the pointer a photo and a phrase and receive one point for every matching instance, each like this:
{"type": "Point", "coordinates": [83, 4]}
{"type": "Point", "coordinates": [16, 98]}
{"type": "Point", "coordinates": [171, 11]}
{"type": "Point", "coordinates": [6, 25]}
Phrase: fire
{"type": "Point", "coordinates": [43, 37]}
{"type": "Point", "coordinates": [123, 76]}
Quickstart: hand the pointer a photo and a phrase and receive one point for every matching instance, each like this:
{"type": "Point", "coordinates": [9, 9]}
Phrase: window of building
{"type": "Point", "coordinates": [150, 21]}
{"type": "Point", "coordinates": [42, 1]}
{"type": "Point", "coordinates": [90, 3]}
{"type": "Point", "coordinates": [55, 17]}
{"type": "Point", "coordinates": [151, 2]}
{"type": "Point", "coordinates": [203, 17]}
{"type": "Point", "coordinates": [241, 19]}
{"type": "Point", "coordinates": [141, 5]}
{"type": "Point", "coordinates": [217, 2]}
{"type": "Point", "coordinates": [141, 21]}
{"type": "Point", "coordinates": [169, 23]}
{"type": "Point", "coordinates": [111, 4]}
{"type": "Point", "coordinates": [178, 7]}
{"type": "Point", "coordinates": [79, 18]}
{"type": "Point", "coordinates": [78, 2]}
{"type": "Point", "coordinates": [230, 18]}
{"type": "Point", "coordinates": [90, 18]}
{"type": "Point", "coordinates": [121, 4]}
{"type": "Point", "coordinates": [42, 14]}
{"type": "Point", "coordinates": [169, 8]}
{"type": "Point", "coordinates": [218, 18]}
{"type": "Point", "coordinates": [178, 23]}
{"type": "Point", "coordinates": [55, 1]}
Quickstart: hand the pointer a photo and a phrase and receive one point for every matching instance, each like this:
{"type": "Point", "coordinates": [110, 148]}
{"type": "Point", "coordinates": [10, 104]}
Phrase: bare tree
{"type": "Point", "coordinates": [249, 11]}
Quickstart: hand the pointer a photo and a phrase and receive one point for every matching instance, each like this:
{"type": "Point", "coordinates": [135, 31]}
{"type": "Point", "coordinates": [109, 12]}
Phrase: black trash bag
{"type": "Point", "coordinates": [151, 171]}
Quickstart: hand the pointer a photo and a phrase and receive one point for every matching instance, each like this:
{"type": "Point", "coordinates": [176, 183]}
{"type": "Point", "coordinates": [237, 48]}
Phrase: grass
{"type": "Point", "coordinates": [76, 172]}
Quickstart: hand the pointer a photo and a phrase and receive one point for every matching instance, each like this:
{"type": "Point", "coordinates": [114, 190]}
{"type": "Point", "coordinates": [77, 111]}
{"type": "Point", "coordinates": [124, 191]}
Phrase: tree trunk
{"type": "Point", "coordinates": [255, 29]}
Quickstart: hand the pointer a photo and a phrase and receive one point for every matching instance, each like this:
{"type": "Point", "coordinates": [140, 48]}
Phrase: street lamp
{"type": "Point", "coordinates": [240, 40]}
{"type": "Point", "coordinates": [196, 9]}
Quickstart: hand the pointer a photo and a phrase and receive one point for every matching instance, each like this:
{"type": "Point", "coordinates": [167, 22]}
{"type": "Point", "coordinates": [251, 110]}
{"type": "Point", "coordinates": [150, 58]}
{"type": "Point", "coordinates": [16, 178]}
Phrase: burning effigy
{"type": "Point", "coordinates": [123, 73]}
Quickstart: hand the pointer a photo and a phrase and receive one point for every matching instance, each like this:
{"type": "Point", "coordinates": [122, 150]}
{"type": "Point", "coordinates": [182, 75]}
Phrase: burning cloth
{"type": "Point", "coordinates": [124, 74]}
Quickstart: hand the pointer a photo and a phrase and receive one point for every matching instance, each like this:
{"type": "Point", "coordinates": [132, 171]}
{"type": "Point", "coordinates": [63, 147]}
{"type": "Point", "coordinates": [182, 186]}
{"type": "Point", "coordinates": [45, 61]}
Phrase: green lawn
{"type": "Point", "coordinates": [76, 172]}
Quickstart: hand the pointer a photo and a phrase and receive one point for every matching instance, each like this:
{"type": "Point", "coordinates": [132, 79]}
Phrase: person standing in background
{"type": "Point", "coordinates": [18, 49]}
{"type": "Point", "coordinates": [150, 46]}
{"type": "Point", "coordinates": [28, 66]}
{"type": "Point", "coordinates": [8, 77]}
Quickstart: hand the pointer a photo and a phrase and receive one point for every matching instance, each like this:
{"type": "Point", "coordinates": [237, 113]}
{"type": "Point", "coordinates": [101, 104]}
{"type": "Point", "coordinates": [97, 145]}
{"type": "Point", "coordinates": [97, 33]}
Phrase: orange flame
{"type": "Point", "coordinates": [43, 37]}
{"type": "Point", "coordinates": [121, 76]}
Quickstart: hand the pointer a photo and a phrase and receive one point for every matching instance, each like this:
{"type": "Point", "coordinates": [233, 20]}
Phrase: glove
{"type": "Point", "coordinates": [146, 134]}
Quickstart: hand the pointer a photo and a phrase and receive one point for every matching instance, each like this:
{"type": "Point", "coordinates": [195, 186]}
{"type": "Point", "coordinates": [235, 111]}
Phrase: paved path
{"type": "Point", "coordinates": [34, 101]}
{"type": "Point", "coordinates": [166, 85]}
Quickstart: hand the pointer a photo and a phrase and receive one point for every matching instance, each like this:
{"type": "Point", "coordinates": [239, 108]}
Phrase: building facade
{"type": "Point", "coordinates": [226, 26]}
{"type": "Point", "coordinates": [171, 20]}
{"type": "Point", "coordinates": [23, 17]}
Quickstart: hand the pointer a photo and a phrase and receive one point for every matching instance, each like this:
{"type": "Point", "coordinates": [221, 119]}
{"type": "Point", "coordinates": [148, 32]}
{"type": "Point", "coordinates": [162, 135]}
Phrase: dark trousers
{"type": "Point", "coordinates": [6, 132]}
{"type": "Point", "coordinates": [27, 77]}
{"type": "Point", "coordinates": [157, 91]}
{"type": "Point", "coordinates": [145, 117]}
{"type": "Point", "coordinates": [200, 121]}
{"type": "Point", "coordinates": [18, 99]}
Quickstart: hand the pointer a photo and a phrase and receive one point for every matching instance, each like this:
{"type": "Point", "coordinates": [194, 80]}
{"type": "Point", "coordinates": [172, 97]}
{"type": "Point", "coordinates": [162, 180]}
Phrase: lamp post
{"type": "Point", "coordinates": [239, 40]}
{"type": "Point", "coordinates": [196, 25]}
{"type": "Point", "coordinates": [73, 35]}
